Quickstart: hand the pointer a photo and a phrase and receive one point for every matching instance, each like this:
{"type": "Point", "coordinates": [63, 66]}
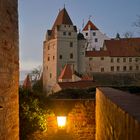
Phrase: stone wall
{"type": "Point", "coordinates": [80, 119]}
{"type": "Point", "coordinates": [9, 69]}
{"type": "Point", "coordinates": [117, 115]}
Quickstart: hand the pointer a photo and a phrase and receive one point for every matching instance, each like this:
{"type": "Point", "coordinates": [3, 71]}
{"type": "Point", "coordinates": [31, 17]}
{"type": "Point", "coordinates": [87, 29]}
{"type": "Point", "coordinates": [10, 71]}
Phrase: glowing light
{"type": "Point", "coordinates": [61, 121]}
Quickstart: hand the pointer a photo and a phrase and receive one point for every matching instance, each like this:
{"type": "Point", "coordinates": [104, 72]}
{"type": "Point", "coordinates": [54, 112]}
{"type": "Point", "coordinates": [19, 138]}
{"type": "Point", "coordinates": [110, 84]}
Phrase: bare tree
{"type": "Point", "coordinates": [36, 73]}
{"type": "Point", "coordinates": [128, 34]}
{"type": "Point", "coordinates": [137, 22]}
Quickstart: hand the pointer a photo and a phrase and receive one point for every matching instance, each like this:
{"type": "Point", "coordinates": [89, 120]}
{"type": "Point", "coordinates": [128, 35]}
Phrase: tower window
{"type": "Point", "coordinates": [96, 39]}
{"type": "Point", "coordinates": [53, 57]}
{"type": "Point", "coordinates": [71, 44]}
{"type": "Point", "coordinates": [50, 75]}
{"type": "Point", "coordinates": [48, 58]}
{"type": "Point", "coordinates": [48, 47]}
{"type": "Point", "coordinates": [71, 55]}
{"type": "Point", "coordinates": [60, 56]}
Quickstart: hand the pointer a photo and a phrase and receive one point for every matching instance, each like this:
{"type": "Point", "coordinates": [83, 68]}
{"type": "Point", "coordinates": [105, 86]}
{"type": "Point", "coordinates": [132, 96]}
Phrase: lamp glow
{"type": "Point", "coordinates": [61, 121]}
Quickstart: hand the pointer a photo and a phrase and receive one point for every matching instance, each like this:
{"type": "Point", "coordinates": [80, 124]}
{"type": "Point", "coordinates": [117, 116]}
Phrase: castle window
{"type": "Point", "coordinates": [48, 58]}
{"type": "Point", "coordinates": [90, 69]}
{"type": "Point", "coordinates": [53, 57]}
{"type": "Point", "coordinates": [71, 55]}
{"type": "Point", "coordinates": [50, 75]}
{"type": "Point", "coordinates": [94, 33]}
{"type": "Point", "coordinates": [90, 58]}
{"type": "Point", "coordinates": [69, 33]}
{"type": "Point", "coordinates": [96, 39]}
{"type": "Point", "coordinates": [112, 60]}
{"type": "Point", "coordinates": [118, 68]}
{"type": "Point", "coordinates": [130, 59]}
{"type": "Point", "coordinates": [124, 59]}
{"type": "Point", "coordinates": [64, 33]}
{"type": "Point", "coordinates": [102, 58]}
{"type": "Point", "coordinates": [112, 68]}
{"type": "Point", "coordinates": [124, 68]}
{"type": "Point", "coordinates": [60, 56]}
{"type": "Point", "coordinates": [137, 67]}
{"type": "Point", "coordinates": [48, 47]}
{"type": "Point", "coordinates": [102, 69]}
{"type": "Point", "coordinates": [86, 34]}
{"type": "Point", "coordinates": [71, 44]}
{"type": "Point", "coordinates": [136, 59]}
{"type": "Point", "coordinates": [130, 67]}
{"type": "Point", "coordinates": [118, 60]}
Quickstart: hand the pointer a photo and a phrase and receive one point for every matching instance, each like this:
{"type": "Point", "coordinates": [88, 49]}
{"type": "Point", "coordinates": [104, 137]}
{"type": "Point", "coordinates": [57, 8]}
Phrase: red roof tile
{"type": "Point", "coordinates": [92, 26]}
{"type": "Point", "coordinates": [129, 47]}
{"type": "Point", "coordinates": [66, 72]}
{"type": "Point", "coordinates": [27, 83]}
{"type": "Point", "coordinates": [62, 18]}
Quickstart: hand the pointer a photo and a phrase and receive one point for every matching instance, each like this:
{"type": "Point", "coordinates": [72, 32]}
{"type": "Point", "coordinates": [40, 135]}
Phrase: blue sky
{"type": "Point", "coordinates": [36, 16]}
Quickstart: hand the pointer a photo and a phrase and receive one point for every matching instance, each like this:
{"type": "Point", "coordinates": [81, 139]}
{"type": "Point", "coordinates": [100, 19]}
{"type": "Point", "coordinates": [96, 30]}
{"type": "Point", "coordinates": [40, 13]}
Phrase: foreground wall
{"type": "Point", "coordinates": [9, 68]}
{"type": "Point", "coordinates": [117, 115]}
{"type": "Point", "coordinates": [80, 119]}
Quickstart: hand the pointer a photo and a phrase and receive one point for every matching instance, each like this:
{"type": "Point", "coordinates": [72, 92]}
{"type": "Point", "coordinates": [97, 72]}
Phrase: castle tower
{"type": "Point", "coordinates": [60, 48]}
{"type": "Point", "coordinates": [94, 36]}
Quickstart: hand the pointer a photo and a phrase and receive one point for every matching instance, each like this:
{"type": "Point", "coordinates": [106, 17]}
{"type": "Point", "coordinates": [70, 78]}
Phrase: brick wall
{"type": "Point", "coordinates": [80, 119]}
{"type": "Point", "coordinates": [117, 115]}
{"type": "Point", "coordinates": [9, 69]}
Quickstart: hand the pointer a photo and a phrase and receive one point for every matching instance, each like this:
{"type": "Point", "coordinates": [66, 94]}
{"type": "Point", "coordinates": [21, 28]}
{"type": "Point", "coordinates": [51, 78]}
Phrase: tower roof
{"type": "Point", "coordinates": [92, 26]}
{"type": "Point", "coordinates": [27, 82]}
{"type": "Point", "coordinates": [62, 18]}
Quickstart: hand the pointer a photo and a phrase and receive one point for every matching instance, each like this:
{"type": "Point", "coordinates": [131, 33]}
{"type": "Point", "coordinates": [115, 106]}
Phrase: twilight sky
{"type": "Point", "coordinates": [36, 16]}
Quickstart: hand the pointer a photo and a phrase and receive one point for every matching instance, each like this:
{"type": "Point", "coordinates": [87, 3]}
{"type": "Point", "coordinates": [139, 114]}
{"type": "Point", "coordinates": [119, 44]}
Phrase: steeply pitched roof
{"type": "Point", "coordinates": [92, 26]}
{"type": "Point", "coordinates": [123, 47]}
{"type": "Point", "coordinates": [66, 72]}
{"type": "Point", "coordinates": [62, 18]}
{"type": "Point", "coordinates": [27, 82]}
{"type": "Point", "coordinates": [126, 47]}
{"type": "Point", "coordinates": [78, 84]}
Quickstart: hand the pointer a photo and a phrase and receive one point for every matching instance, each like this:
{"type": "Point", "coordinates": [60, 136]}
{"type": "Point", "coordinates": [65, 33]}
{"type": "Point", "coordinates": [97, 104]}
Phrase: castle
{"type": "Point", "coordinates": [65, 51]}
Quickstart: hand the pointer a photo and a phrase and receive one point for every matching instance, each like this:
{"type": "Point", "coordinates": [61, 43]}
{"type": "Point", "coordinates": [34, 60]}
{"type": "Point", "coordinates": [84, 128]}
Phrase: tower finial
{"type": "Point", "coordinates": [83, 24]}
{"type": "Point", "coordinates": [64, 5]}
